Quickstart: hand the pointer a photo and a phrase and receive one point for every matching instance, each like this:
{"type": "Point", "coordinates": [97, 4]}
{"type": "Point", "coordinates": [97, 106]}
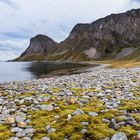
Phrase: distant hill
{"type": "Point", "coordinates": [115, 36]}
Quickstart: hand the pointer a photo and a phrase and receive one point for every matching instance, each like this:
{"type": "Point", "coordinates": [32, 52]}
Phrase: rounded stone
{"type": "Point", "coordinates": [45, 138]}
{"type": "Point", "coordinates": [10, 120]}
{"type": "Point", "coordinates": [21, 134]}
{"type": "Point", "coordinates": [71, 100]}
{"type": "Point", "coordinates": [22, 124]}
{"type": "Point", "coordinates": [119, 136]}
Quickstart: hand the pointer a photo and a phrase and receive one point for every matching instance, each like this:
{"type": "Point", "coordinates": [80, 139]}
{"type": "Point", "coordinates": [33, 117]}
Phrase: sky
{"type": "Point", "coordinates": [24, 19]}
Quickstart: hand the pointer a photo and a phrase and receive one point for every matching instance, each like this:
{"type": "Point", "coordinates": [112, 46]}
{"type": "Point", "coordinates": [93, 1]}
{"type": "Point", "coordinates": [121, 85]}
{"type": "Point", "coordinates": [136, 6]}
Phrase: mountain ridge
{"type": "Point", "coordinates": [103, 38]}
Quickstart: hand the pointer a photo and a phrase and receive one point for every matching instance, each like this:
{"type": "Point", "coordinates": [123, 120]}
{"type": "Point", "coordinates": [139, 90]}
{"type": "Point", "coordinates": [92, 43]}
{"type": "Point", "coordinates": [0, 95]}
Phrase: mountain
{"type": "Point", "coordinates": [38, 49]}
{"type": "Point", "coordinates": [115, 36]}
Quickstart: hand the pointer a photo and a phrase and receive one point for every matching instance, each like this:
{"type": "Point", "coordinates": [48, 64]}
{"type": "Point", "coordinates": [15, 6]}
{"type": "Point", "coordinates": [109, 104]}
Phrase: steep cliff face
{"type": "Point", "coordinates": [40, 46]}
{"type": "Point", "coordinates": [106, 37]}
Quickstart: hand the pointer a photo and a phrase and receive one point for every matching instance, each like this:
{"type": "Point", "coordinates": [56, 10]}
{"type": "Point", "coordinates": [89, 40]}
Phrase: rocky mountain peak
{"type": "Point", "coordinates": [41, 45]}
{"type": "Point", "coordinates": [105, 37]}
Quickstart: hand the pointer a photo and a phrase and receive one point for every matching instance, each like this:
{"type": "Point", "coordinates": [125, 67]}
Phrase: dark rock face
{"type": "Point", "coordinates": [40, 44]}
{"type": "Point", "coordinates": [103, 38]}
{"type": "Point", "coordinates": [107, 35]}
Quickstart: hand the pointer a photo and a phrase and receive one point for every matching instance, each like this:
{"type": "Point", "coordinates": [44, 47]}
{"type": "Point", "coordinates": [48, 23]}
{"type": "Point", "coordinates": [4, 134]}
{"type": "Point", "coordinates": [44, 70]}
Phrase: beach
{"type": "Point", "coordinates": [98, 104]}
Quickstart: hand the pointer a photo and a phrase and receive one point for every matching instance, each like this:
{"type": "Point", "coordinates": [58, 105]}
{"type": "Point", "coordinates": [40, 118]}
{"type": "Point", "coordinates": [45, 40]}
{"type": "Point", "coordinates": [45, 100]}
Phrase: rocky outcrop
{"type": "Point", "coordinates": [105, 37]}
{"type": "Point", "coordinates": [39, 47]}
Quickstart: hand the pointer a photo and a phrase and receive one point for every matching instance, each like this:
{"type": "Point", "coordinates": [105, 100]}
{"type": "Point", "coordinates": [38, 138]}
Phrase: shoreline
{"type": "Point", "coordinates": [85, 67]}
{"type": "Point", "coordinates": [74, 106]}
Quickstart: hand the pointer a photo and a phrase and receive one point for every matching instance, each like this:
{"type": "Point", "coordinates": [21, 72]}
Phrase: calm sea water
{"type": "Point", "coordinates": [18, 71]}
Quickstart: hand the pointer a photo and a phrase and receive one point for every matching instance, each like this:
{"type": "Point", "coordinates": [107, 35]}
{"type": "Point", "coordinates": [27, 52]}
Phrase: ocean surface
{"type": "Point", "coordinates": [19, 71]}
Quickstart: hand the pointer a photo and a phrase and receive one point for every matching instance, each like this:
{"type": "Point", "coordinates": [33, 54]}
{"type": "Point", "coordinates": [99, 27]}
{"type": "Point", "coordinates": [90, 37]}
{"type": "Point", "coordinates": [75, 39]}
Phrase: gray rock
{"type": "Point", "coordinates": [48, 127]}
{"type": "Point", "coordinates": [45, 138]}
{"type": "Point", "coordinates": [16, 129]}
{"type": "Point", "coordinates": [119, 136]}
{"type": "Point", "coordinates": [106, 120]}
{"type": "Point", "coordinates": [84, 101]}
{"type": "Point", "coordinates": [46, 107]}
{"type": "Point", "coordinates": [90, 94]}
{"type": "Point", "coordinates": [107, 138]}
{"type": "Point", "coordinates": [20, 119]}
{"type": "Point", "coordinates": [100, 95]}
{"type": "Point", "coordinates": [30, 131]}
{"type": "Point", "coordinates": [26, 138]}
{"type": "Point", "coordinates": [21, 134]}
{"type": "Point", "coordinates": [51, 130]}
{"type": "Point", "coordinates": [13, 138]}
{"type": "Point", "coordinates": [130, 121]}
{"type": "Point", "coordinates": [83, 131]}
{"type": "Point", "coordinates": [78, 112]}
{"type": "Point", "coordinates": [93, 114]}
{"type": "Point", "coordinates": [113, 124]}
{"type": "Point", "coordinates": [122, 123]}
{"type": "Point", "coordinates": [69, 117]}
{"type": "Point", "coordinates": [85, 123]}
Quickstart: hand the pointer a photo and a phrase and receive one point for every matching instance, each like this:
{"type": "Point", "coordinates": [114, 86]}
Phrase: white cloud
{"type": "Point", "coordinates": [23, 19]}
{"type": "Point", "coordinates": [14, 44]}
{"type": "Point", "coordinates": [7, 55]}
{"type": "Point", "coordinates": [10, 49]}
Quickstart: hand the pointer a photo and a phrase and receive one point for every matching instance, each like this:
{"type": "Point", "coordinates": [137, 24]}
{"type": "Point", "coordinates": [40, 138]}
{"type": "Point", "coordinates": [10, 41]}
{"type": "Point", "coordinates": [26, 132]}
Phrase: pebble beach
{"type": "Point", "coordinates": [103, 104]}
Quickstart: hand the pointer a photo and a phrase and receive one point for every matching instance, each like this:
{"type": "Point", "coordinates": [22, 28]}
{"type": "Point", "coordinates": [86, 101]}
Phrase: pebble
{"type": "Point", "coordinates": [10, 120]}
{"type": "Point", "coordinates": [21, 134]}
{"type": "Point", "coordinates": [46, 107]}
{"type": "Point", "coordinates": [113, 124]}
{"type": "Point", "coordinates": [119, 136]}
{"type": "Point", "coordinates": [83, 131]}
{"type": "Point", "coordinates": [22, 124]}
{"type": "Point", "coordinates": [78, 112]}
{"type": "Point", "coordinates": [45, 138]}
{"type": "Point", "coordinates": [16, 129]}
{"type": "Point", "coordinates": [85, 123]}
{"type": "Point", "coordinates": [113, 85]}
{"type": "Point", "coordinates": [93, 114]}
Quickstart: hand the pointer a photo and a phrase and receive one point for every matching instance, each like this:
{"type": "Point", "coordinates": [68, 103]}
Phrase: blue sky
{"type": "Point", "coordinates": [23, 19]}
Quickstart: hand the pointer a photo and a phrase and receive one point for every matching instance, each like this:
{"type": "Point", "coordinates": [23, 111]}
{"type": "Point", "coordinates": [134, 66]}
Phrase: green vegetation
{"type": "Point", "coordinates": [32, 57]}
{"type": "Point", "coordinates": [129, 105]}
{"type": "Point", "coordinates": [5, 132]}
{"type": "Point", "coordinates": [128, 130]}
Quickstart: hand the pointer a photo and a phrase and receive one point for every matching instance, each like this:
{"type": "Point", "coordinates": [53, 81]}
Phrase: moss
{"type": "Point", "coordinates": [27, 103]}
{"type": "Point", "coordinates": [65, 113]}
{"type": "Point", "coordinates": [43, 95]}
{"type": "Point", "coordinates": [76, 136]}
{"type": "Point", "coordinates": [40, 119]}
{"type": "Point", "coordinates": [5, 93]}
{"type": "Point", "coordinates": [56, 90]}
{"type": "Point", "coordinates": [55, 136]}
{"type": "Point", "coordinates": [100, 131]}
{"type": "Point", "coordinates": [5, 132]}
{"type": "Point", "coordinates": [93, 106]}
{"type": "Point", "coordinates": [136, 116]}
{"type": "Point", "coordinates": [128, 130]}
{"type": "Point", "coordinates": [108, 97]}
{"type": "Point", "coordinates": [32, 57]}
{"type": "Point", "coordinates": [79, 91]}
{"type": "Point", "coordinates": [110, 114]}
{"type": "Point", "coordinates": [27, 94]}
{"type": "Point", "coordinates": [136, 127]}
{"type": "Point", "coordinates": [80, 118]}
{"type": "Point", "coordinates": [63, 106]}
{"type": "Point", "coordinates": [120, 118]}
{"type": "Point", "coordinates": [137, 94]}
{"type": "Point", "coordinates": [129, 105]}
